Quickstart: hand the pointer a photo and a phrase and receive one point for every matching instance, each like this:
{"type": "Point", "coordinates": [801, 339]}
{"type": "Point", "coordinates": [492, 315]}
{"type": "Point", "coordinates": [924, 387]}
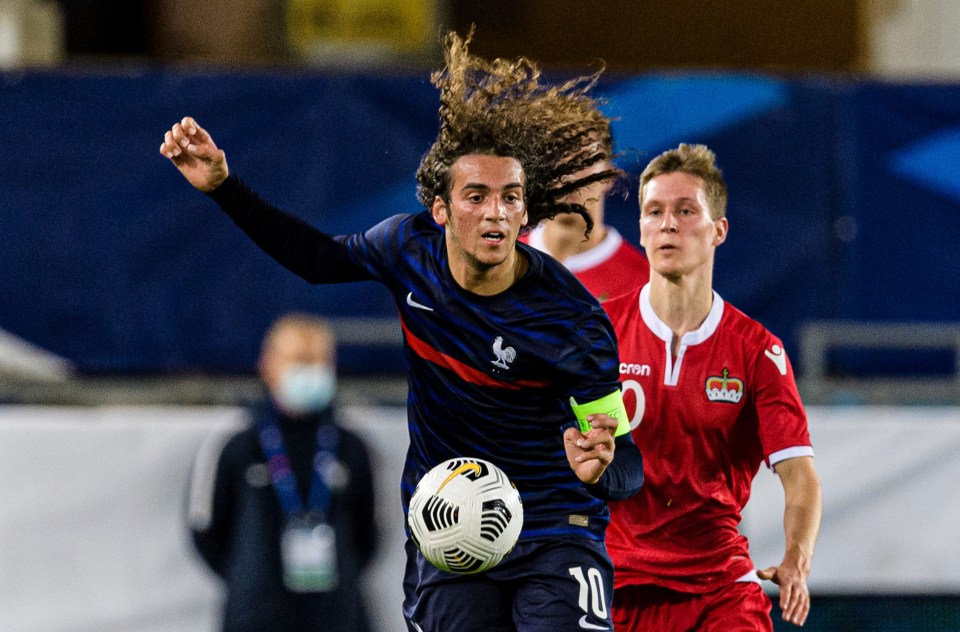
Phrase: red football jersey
{"type": "Point", "coordinates": [704, 420]}
{"type": "Point", "coordinates": [611, 268]}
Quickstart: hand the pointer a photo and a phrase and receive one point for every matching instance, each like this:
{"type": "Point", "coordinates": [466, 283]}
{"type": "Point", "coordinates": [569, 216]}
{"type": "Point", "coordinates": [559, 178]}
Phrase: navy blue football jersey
{"type": "Point", "coordinates": [491, 376]}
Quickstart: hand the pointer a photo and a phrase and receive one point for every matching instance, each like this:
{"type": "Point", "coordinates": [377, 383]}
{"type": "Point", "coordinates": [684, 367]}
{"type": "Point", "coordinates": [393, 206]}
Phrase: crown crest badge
{"type": "Point", "coordinates": [724, 388]}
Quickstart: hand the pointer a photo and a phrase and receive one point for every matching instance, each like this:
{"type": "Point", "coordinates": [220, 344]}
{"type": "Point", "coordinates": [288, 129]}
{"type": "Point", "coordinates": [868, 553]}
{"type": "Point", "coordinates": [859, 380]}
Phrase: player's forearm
{"type": "Point", "coordinates": [802, 513]}
{"type": "Point", "coordinates": [624, 476]}
{"type": "Point", "coordinates": [295, 244]}
{"type": "Point", "coordinates": [801, 524]}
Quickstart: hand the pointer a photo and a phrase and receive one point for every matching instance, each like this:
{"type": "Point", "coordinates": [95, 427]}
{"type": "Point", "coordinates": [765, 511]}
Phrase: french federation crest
{"type": "Point", "coordinates": [503, 355]}
{"type": "Point", "coordinates": [724, 388]}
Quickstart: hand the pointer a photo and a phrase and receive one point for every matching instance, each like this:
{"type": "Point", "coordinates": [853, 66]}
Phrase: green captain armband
{"type": "Point", "coordinates": [611, 405]}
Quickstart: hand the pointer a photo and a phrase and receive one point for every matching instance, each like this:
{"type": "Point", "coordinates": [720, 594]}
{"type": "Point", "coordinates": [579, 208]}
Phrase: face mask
{"type": "Point", "coordinates": [306, 388]}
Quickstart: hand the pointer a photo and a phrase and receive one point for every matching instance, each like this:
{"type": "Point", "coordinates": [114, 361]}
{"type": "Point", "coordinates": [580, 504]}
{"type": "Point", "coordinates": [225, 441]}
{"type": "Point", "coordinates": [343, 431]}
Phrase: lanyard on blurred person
{"type": "Point", "coordinates": [324, 470]}
{"type": "Point", "coordinates": [308, 542]}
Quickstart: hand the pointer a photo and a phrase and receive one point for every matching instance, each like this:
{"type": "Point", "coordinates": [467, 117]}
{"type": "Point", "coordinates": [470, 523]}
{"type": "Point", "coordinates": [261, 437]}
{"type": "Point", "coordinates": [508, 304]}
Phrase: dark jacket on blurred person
{"type": "Point", "coordinates": [242, 540]}
{"type": "Point", "coordinates": [284, 513]}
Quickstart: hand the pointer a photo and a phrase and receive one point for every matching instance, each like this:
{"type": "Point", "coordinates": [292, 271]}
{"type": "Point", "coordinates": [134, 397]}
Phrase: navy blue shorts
{"type": "Point", "coordinates": [542, 586]}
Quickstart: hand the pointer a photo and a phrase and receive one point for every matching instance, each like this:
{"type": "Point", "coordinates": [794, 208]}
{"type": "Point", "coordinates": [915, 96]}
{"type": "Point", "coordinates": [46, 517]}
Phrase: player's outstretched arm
{"type": "Point", "coordinates": [801, 523]}
{"type": "Point", "coordinates": [192, 151]}
{"type": "Point", "coordinates": [298, 246]}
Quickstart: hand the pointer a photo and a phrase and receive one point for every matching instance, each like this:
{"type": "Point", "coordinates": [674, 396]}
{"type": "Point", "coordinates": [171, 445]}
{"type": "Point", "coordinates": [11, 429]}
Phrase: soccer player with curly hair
{"type": "Point", "coordinates": [511, 359]}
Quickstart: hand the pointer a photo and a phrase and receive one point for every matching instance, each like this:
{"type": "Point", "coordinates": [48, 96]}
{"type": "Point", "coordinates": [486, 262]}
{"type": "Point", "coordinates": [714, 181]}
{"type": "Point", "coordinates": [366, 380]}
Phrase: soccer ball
{"type": "Point", "coordinates": [465, 515]}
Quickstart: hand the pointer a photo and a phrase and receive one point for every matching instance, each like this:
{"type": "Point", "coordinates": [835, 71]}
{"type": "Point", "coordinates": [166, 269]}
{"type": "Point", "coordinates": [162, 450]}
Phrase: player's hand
{"type": "Point", "coordinates": [794, 595]}
{"type": "Point", "coordinates": [589, 454]}
{"type": "Point", "coordinates": [192, 150]}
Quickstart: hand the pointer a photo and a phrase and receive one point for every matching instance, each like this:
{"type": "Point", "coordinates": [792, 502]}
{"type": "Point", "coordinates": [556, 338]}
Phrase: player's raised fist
{"type": "Point", "coordinates": [192, 151]}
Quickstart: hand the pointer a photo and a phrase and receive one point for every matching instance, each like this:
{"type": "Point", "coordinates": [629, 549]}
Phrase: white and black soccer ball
{"type": "Point", "coordinates": [465, 515]}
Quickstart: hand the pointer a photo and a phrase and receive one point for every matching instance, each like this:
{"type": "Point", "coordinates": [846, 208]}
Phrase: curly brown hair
{"type": "Point", "coordinates": [501, 108]}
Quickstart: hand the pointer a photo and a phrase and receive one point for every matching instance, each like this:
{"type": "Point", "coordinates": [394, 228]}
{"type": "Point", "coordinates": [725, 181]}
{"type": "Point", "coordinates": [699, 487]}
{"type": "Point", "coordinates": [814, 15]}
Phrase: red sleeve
{"type": "Point", "coordinates": [781, 417]}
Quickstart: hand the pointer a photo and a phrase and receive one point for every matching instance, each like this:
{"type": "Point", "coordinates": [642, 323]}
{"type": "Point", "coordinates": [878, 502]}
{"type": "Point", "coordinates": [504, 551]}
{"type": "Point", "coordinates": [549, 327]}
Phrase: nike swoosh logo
{"type": "Point", "coordinates": [413, 303]}
{"type": "Point", "coordinates": [590, 626]}
{"type": "Point", "coordinates": [778, 357]}
{"type": "Point", "coordinates": [466, 467]}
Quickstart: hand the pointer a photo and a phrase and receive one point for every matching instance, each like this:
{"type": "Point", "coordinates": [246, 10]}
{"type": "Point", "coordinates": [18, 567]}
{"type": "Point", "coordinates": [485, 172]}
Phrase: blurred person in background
{"type": "Point", "coordinates": [602, 260]}
{"type": "Point", "coordinates": [715, 398]}
{"type": "Point", "coordinates": [284, 514]}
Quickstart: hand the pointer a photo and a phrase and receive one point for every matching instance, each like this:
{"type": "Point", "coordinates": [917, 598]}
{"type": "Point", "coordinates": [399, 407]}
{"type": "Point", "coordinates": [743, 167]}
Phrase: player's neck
{"type": "Point", "coordinates": [682, 303]}
{"type": "Point", "coordinates": [489, 280]}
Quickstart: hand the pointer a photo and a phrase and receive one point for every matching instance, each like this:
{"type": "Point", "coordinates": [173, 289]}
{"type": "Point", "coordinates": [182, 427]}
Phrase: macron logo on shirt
{"type": "Point", "coordinates": [630, 368]}
{"type": "Point", "coordinates": [778, 357]}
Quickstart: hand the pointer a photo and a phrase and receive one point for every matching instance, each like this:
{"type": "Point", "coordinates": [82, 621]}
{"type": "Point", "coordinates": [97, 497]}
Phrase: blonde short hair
{"type": "Point", "coordinates": [697, 160]}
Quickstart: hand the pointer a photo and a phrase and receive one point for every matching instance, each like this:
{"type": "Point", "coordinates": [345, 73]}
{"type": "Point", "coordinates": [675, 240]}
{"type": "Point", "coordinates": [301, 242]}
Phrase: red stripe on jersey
{"type": "Point", "coordinates": [464, 372]}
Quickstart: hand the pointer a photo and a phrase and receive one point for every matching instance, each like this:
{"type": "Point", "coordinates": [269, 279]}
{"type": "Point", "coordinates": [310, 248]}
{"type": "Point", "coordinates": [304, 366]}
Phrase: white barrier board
{"type": "Point", "coordinates": [94, 536]}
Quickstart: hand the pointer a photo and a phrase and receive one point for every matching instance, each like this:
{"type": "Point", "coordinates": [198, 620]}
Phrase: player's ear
{"type": "Point", "coordinates": [721, 227]}
{"type": "Point", "coordinates": [439, 211]}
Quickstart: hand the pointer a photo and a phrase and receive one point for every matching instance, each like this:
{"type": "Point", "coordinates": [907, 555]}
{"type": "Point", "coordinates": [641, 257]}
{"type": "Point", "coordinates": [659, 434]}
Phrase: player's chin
{"type": "Point", "coordinates": [669, 271]}
{"type": "Point", "coordinates": [570, 220]}
{"type": "Point", "coordinates": [493, 257]}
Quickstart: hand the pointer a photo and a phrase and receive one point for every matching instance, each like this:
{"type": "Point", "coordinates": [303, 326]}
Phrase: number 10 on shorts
{"type": "Point", "coordinates": [591, 591]}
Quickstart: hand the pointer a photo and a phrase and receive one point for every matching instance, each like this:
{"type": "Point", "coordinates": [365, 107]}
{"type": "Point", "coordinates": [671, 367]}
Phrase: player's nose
{"type": "Point", "coordinates": [496, 209]}
{"type": "Point", "coordinates": [668, 223]}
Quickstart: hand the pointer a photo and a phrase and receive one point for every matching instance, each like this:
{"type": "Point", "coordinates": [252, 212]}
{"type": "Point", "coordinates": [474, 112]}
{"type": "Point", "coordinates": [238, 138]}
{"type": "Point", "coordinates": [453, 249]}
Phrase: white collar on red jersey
{"type": "Point", "coordinates": [663, 331]}
{"type": "Point", "coordinates": [584, 260]}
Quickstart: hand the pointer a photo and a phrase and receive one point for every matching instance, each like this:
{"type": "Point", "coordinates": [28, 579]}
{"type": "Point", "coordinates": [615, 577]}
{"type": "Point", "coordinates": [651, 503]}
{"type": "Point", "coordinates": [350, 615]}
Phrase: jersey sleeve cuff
{"type": "Point", "coordinates": [789, 453]}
